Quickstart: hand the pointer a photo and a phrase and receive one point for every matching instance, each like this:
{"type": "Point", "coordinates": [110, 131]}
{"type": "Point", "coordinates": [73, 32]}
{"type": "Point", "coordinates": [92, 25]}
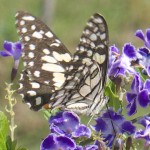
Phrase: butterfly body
{"type": "Point", "coordinates": [53, 77]}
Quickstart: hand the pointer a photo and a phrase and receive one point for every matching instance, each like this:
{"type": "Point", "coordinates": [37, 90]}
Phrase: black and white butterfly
{"type": "Point", "coordinates": [53, 77]}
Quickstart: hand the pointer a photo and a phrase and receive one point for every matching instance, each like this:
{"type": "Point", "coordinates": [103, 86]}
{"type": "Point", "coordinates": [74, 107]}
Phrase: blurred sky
{"type": "Point", "coordinates": [67, 22]}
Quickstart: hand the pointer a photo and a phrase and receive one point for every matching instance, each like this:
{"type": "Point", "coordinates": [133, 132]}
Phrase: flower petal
{"type": "Point", "coordinates": [131, 108]}
{"type": "Point", "coordinates": [130, 97]}
{"type": "Point", "coordinates": [54, 142]}
{"type": "Point", "coordinates": [147, 41]}
{"type": "Point", "coordinates": [147, 85]}
{"type": "Point", "coordinates": [129, 50]}
{"type": "Point", "coordinates": [140, 34]}
{"type": "Point", "coordinates": [8, 46]}
{"type": "Point", "coordinates": [137, 84]}
{"type": "Point", "coordinates": [143, 98]}
{"type": "Point", "coordinates": [4, 53]}
{"type": "Point", "coordinates": [82, 130]}
{"type": "Point", "coordinates": [128, 127]}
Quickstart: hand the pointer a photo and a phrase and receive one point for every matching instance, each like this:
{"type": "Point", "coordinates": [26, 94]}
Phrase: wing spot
{"type": "Point", "coordinates": [55, 44]}
{"type": "Point", "coordinates": [49, 34]}
{"type": "Point", "coordinates": [89, 53]}
{"type": "Point", "coordinates": [93, 37]}
{"type": "Point", "coordinates": [27, 38]}
{"type": "Point", "coordinates": [98, 20]}
{"type": "Point", "coordinates": [62, 57]}
{"type": "Point", "coordinates": [35, 85]}
{"type": "Point", "coordinates": [31, 55]}
{"type": "Point", "coordinates": [90, 24]}
{"type": "Point", "coordinates": [33, 27]}
{"type": "Point", "coordinates": [59, 78]}
{"type": "Point", "coordinates": [92, 44]}
{"type": "Point", "coordinates": [76, 57]}
{"type": "Point", "coordinates": [25, 64]}
{"type": "Point", "coordinates": [52, 67]}
{"type": "Point", "coordinates": [48, 59]}
{"type": "Point", "coordinates": [21, 86]}
{"type": "Point", "coordinates": [99, 58]}
{"type": "Point", "coordinates": [103, 36]}
{"type": "Point", "coordinates": [46, 51]}
{"type": "Point", "coordinates": [47, 82]}
{"type": "Point", "coordinates": [38, 100]}
{"type": "Point", "coordinates": [101, 46]}
{"type": "Point", "coordinates": [87, 31]}
{"type": "Point", "coordinates": [21, 76]}
{"type": "Point", "coordinates": [58, 41]}
{"type": "Point", "coordinates": [29, 18]}
{"type": "Point", "coordinates": [41, 31]}
{"type": "Point", "coordinates": [22, 22]}
{"type": "Point", "coordinates": [71, 67]}
{"type": "Point", "coordinates": [24, 30]}
{"type": "Point", "coordinates": [31, 93]}
{"type": "Point", "coordinates": [31, 63]}
{"type": "Point", "coordinates": [37, 35]}
{"type": "Point", "coordinates": [82, 48]}
{"type": "Point", "coordinates": [29, 105]}
{"type": "Point", "coordinates": [37, 73]}
{"type": "Point", "coordinates": [32, 47]}
{"type": "Point", "coordinates": [17, 14]}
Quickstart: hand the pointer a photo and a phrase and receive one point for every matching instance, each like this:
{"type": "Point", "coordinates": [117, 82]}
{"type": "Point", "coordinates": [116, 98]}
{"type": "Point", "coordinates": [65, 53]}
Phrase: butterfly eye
{"type": "Point", "coordinates": [53, 77]}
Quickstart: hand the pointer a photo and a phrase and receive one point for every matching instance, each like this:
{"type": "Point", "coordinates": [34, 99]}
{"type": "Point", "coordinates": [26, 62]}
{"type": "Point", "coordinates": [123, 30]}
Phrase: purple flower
{"type": "Point", "coordinates": [56, 142]}
{"type": "Point", "coordinates": [144, 134]}
{"type": "Point", "coordinates": [139, 94]}
{"type": "Point", "coordinates": [121, 64]}
{"type": "Point", "coordinates": [110, 124]}
{"type": "Point", "coordinates": [68, 123]}
{"type": "Point", "coordinates": [144, 57]}
{"type": "Point", "coordinates": [145, 38]}
{"type": "Point", "coordinates": [15, 51]}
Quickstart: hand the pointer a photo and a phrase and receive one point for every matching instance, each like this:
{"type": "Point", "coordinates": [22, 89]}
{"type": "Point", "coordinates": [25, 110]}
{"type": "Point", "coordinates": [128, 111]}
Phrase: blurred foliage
{"type": "Point", "coordinates": [123, 19]}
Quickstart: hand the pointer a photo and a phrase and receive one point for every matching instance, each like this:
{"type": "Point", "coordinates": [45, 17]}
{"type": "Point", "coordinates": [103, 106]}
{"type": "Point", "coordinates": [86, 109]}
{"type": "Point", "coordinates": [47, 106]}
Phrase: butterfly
{"type": "Point", "coordinates": [53, 77]}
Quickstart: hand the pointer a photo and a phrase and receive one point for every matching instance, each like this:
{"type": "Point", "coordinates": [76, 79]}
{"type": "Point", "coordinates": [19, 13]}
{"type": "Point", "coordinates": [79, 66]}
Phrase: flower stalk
{"type": "Point", "coordinates": [10, 109]}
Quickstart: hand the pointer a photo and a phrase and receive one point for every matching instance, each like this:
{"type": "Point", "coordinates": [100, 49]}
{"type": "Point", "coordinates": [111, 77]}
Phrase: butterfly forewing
{"type": "Point", "coordinates": [45, 57]}
{"type": "Point", "coordinates": [45, 60]}
{"type": "Point", "coordinates": [93, 44]}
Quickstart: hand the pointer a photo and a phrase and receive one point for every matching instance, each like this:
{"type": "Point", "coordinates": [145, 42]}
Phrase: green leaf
{"type": "Point", "coordinates": [3, 130]}
{"type": "Point", "coordinates": [11, 145]}
{"type": "Point", "coordinates": [113, 98]}
{"type": "Point", "coordinates": [49, 113]}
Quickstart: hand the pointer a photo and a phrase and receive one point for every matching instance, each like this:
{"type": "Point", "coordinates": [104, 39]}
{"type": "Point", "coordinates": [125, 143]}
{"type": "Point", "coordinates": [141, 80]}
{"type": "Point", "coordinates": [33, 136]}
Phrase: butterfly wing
{"type": "Point", "coordinates": [45, 60]}
{"type": "Point", "coordinates": [93, 50]}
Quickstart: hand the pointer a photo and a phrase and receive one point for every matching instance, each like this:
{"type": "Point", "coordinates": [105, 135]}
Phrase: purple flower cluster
{"type": "Point", "coordinates": [68, 133]}
{"type": "Point", "coordinates": [120, 65]}
{"type": "Point", "coordinates": [111, 124]}
{"type": "Point", "coordinates": [65, 127]}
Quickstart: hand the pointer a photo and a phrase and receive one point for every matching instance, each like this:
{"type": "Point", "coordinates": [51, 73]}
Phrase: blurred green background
{"type": "Point", "coordinates": [67, 19]}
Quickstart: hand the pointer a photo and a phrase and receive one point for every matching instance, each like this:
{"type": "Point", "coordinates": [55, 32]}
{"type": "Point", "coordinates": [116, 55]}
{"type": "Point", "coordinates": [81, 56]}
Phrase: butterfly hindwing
{"type": "Point", "coordinates": [93, 50]}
